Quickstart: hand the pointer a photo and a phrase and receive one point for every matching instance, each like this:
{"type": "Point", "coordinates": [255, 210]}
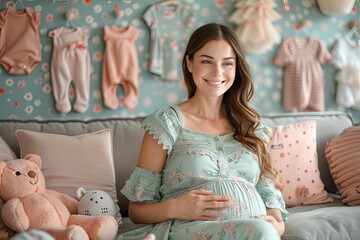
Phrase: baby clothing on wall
{"type": "Point", "coordinates": [170, 27]}
{"type": "Point", "coordinates": [120, 66]}
{"type": "Point", "coordinates": [70, 62]}
{"type": "Point", "coordinates": [255, 29]}
{"type": "Point", "coordinates": [20, 49]}
{"type": "Point", "coordinates": [303, 88]}
{"type": "Point", "coordinates": [346, 58]}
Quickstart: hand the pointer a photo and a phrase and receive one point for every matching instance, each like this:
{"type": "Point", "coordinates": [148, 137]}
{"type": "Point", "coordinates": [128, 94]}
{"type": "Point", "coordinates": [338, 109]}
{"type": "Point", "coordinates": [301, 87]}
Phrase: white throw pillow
{"type": "Point", "coordinates": [70, 162]}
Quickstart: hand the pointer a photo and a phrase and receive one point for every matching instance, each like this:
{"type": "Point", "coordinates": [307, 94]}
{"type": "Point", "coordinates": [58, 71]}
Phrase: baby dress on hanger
{"type": "Point", "coordinates": [170, 26]}
{"type": "Point", "coordinates": [346, 58]}
{"type": "Point", "coordinates": [20, 49]}
{"type": "Point", "coordinates": [303, 88]}
{"type": "Point", "coordinates": [120, 66]}
{"type": "Point", "coordinates": [70, 62]}
{"type": "Point", "coordinates": [254, 24]}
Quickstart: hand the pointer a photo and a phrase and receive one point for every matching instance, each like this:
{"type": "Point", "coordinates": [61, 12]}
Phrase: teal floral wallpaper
{"type": "Point", "coordinates": [30, 96]}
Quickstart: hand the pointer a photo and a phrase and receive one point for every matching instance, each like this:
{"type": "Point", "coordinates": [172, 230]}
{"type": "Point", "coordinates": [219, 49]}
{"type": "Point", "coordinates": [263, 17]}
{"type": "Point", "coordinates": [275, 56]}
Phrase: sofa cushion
{"type": "Point", "coordinates": [70, 162]}
{"type": "Point", "coordinates": [294, 154]}
{"type": "Point", "coordinates": [330, 221]}
{"type": "Point", "coordinates": [343, 154]}
{"type": "Point", "coordinates": [6, 153]}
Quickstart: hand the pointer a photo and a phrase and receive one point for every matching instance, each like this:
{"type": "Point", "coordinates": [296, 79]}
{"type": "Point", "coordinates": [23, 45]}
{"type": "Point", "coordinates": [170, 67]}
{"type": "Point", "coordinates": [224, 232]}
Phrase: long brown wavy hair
{"type": "Point", "coordinates": [236, 101]}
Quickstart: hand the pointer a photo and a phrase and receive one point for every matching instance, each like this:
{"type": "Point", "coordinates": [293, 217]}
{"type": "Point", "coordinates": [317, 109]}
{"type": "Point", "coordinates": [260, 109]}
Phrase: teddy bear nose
{"type": "Point", "coordinates": [31, 173]}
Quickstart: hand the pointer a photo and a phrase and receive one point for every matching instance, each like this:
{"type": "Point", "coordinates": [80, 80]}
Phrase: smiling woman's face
{"type": "Point", "coordinates": [213, 68]}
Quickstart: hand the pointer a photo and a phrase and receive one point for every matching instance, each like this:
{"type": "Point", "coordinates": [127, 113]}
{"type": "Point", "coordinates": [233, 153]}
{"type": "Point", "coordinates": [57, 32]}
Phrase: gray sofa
{"type": "Point", "coordinates": [322, 221]}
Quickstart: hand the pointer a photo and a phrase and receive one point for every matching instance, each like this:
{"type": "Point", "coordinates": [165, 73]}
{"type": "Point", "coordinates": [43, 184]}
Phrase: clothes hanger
{"type": "Point", "coordinates": [118, 16]}
{"type": "Point", "coordinates": [171, 2]}
{"type": "Point", "coordinates": [70, 15]}
{"type": "Point", "coordinates": [21, 5]}
{"type": "Point", "coordinates": [354, 32]}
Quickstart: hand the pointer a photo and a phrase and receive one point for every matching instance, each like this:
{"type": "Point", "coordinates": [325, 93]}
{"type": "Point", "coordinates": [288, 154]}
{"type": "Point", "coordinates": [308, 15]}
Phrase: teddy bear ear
{"type": "Point", "coordinates": [35, 158]}
{"type": "Point", "coordinates": [80, 192]}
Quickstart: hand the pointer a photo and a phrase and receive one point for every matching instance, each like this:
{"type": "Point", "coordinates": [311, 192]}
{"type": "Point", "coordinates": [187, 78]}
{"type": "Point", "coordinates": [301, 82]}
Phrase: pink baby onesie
{"type": "Point", "coordinates": [303, 88]}
{"type": "Point", "coordinates": [70, 62]}
{"type": "Point", "coordinates": [120, 66]}
{"type": "Point", "coordinates": [20, 48]}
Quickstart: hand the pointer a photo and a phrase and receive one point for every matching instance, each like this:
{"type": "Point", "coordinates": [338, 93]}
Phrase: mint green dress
{"type": "Point", "coordinates": [204, 161]}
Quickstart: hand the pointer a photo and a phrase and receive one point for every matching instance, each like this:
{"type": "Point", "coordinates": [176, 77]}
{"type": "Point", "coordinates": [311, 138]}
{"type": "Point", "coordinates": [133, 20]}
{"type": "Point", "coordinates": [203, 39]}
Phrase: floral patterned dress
{"type": "Point", "coordinates": [204, 161]}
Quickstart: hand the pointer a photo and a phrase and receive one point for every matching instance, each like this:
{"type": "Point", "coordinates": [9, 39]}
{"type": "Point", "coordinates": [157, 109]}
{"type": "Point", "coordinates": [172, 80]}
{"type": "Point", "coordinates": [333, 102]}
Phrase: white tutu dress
{"type": "Point", "coordinates": [254, 24]}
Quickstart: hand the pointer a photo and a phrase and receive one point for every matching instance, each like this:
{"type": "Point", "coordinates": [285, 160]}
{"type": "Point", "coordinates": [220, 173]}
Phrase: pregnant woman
{"type": "Point", "coordinates": [203, 170]}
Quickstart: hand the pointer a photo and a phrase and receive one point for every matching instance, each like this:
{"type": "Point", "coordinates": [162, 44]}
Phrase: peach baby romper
{"type": "Point", "coordinates": [20, 49]}
{"type": "Point", "coordinates": [70, 62]}
{"type": "Point", "coordinates": [120, 66]}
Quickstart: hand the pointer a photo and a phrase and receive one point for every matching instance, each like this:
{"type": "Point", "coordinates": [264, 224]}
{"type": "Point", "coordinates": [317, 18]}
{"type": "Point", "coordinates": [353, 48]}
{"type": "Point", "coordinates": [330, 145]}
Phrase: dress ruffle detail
{"type": "Point", "coordinates": [163, 125]}
{"type": "Point", "coordinates": [142, 186]}
{"type": "Point", "coordinates": [272, 196]}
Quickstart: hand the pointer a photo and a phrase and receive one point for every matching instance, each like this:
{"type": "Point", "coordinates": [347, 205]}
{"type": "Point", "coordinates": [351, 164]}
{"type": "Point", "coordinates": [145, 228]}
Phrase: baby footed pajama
{"type": "Point", "coordinates": [70, 63]}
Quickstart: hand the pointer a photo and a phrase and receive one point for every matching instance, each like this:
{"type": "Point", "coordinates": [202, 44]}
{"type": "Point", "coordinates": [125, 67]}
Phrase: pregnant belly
{"type": "Point", "coordinates": [245, 198]}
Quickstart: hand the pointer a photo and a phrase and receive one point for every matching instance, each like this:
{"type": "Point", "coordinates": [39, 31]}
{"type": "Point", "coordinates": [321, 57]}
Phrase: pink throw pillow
{"type": "Point", "coordinates": [6, 153]}
{"type": "Point", "coordinates": [343, 154]}
{"type": "Point", "coordinates": [70, 162]}
{"type": "Point", "coordinates": [293, 151]}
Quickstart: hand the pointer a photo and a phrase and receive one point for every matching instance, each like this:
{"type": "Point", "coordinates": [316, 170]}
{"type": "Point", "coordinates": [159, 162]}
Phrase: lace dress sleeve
{"type": "Point", "coordinates": [271, 196]}
{"type": "Point", "coordinates": [142, 186]}
{"type": "Point", "coordinates": [164, 125]}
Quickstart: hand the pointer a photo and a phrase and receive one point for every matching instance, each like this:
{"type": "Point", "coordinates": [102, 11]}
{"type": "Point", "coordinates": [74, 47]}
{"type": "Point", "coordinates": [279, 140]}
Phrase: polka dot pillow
{"type": "Point", "coordinates": [293, 151]}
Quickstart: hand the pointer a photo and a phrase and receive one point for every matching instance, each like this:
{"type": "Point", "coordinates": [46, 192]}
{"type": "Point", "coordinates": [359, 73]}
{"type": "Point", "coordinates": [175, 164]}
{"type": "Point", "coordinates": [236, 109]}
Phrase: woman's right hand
{"type": "Point", "coordinates": [200, 205]}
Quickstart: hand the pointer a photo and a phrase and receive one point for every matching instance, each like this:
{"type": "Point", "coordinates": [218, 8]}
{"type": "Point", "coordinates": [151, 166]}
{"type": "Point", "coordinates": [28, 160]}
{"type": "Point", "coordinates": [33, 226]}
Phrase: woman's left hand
{"type": "Point", "coordinates": [279, 226]}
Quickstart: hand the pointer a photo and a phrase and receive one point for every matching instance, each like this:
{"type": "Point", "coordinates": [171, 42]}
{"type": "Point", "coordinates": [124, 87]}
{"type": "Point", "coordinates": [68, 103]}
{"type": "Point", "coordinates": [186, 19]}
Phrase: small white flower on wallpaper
{"type": "Point", "coordinates": [38, 81]}
{"type": "Point", "coordinates": [38, 8]}
{"type": "Point", "coordinates": [105, 16]}
{"type": "Point", "coordinates": [21, 84]}
{"type": "Point", "coordinates": [9, 82]}
{"type": "Point", "coordinates": [49, 18]}
{"type": "Point", "coordinates": [47, 48]}
{"type": "Point", "coordinates": [172, 98]}
{"type": "Point", "coordinates": [47, 76]}
{"type": "Point", "coordinates": [97, 56]}
{"type": "Point", "coordinates": [276, 96]}
{"type": "Point", "coordinates": [29, 109]}
{"type": "Point", "coordinates": [97, 108]}
{"type": "Point", "coordinates": [136, 6]}
{"type": "Point", "coordinates": [147, 102]}
{"type": "Point", "coordinates": [46, 88]}
{"type": "Point", "coordinates": [89, 19]}
{"type": "Point", "coordinates": [128, 11]}
{"type": "Point", "coordinates": [45, 67]}
{"type": "Point", "coordinates": [28, 97]}
{"type": "Point", "coordinates": [37, 103]}
{"type": "Point", "coordinates": [97, 8]}
{"type": "Point", "coordinates": [96, 40]}
{"type": "Point", "coordinates": [94, 77]}
{"type": "Point", "coordinates": [97, 94]}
